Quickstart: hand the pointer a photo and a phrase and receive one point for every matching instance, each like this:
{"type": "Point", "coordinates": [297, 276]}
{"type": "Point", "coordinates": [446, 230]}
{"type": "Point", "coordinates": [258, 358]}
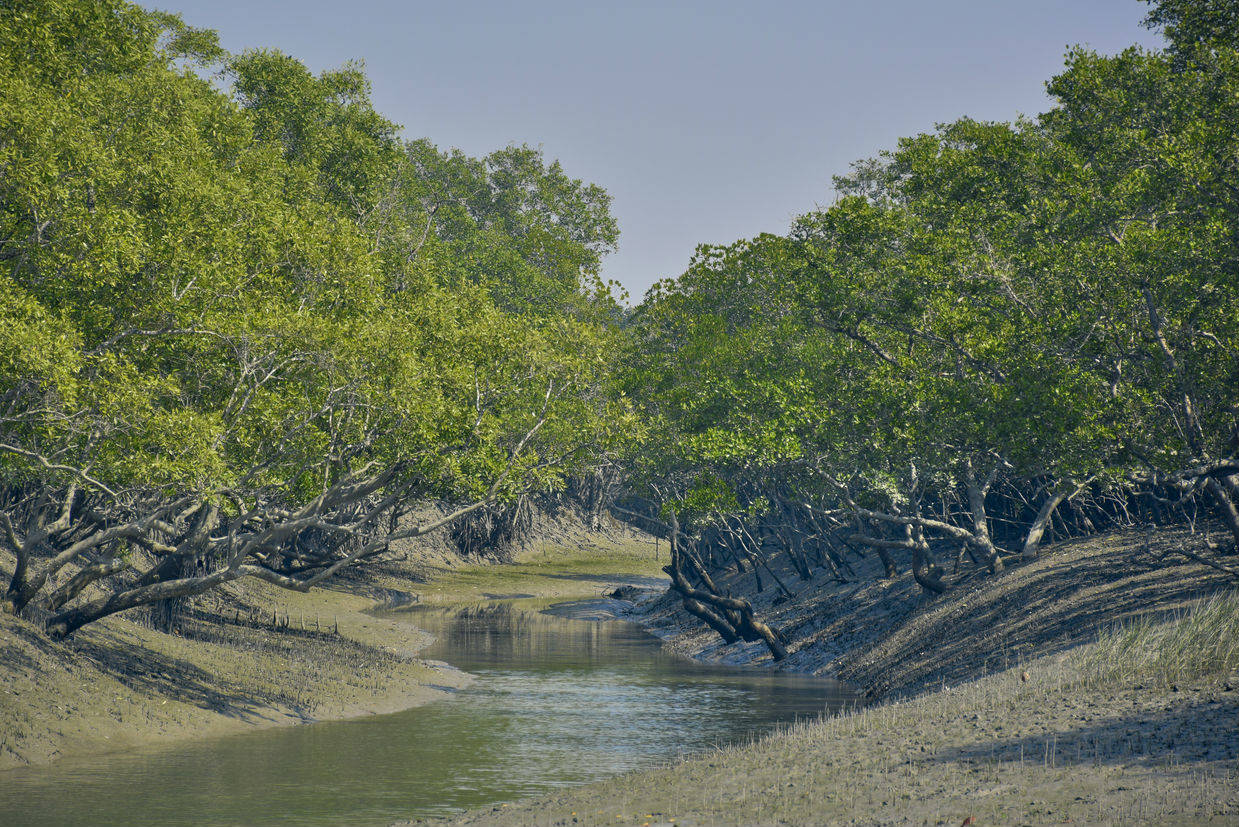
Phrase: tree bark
{"type": "Point", "coordinates": [1065, 490]}
{"type": "Point", "coordinates": [88, 575]}
{"type": "Point", "coordinates": [923, 572]}
{"type": "Point", "coordinates": [980, 521]}
{"type": "Point", "coordinates": [922, 564]}
{"type": "Point", "coordinates": [1226, 507]}
{"type": "Point", "coordinates": [698, 568]}
{"type": "Point", "coordinates": [756, 558]}
{"type": "Point", "coordinates": [21, 588]}
{"type": "Point", "coordinates": [15, 599]}
{"type": "Point", "coordinates": [66, 623]}
{"type": "Point", "coordinates": [711, 619]}
{"type": "Point", "coordinates": [749, 627]}
{"type": "Point", "coordinates": [888, 562]}
{"type": "Point", "coordinates": [795, 547]}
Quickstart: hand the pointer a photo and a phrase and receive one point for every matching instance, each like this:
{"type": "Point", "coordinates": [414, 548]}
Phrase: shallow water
{"type": "Point", "coordinates": [558, 702]}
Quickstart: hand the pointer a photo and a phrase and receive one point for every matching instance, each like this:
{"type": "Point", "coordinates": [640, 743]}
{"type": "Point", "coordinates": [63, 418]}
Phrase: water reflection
{"type": "Point", "coordinates": [558, 702]}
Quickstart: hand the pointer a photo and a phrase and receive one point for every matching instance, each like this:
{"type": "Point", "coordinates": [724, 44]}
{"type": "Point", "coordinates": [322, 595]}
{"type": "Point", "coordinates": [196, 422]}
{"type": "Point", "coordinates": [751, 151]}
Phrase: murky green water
{"type": "Point", "coordinates": [558, 702]}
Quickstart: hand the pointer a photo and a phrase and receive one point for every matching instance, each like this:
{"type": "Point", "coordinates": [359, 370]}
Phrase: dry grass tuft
{"type": "Point", "coordinates": [1202, 642]}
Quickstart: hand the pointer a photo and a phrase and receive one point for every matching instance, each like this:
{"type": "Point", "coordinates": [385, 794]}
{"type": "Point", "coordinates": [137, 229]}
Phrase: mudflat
{"type": "Point", "coordinates": [120, 683]}
{"type": "Point", "coordinates": [1096, 685]}
{"type": "Point", "coordinates": [1042, 696]}
{"type": "Point", "coordinates": [257, 656]}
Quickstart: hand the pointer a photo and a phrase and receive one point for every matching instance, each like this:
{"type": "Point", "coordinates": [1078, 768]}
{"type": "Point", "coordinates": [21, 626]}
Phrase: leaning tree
{"type": "Point", "coordinates": [222, 353]}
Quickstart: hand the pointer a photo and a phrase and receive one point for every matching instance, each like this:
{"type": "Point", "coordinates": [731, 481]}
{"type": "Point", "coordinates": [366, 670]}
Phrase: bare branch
{"type": "Point", "coordinates": [52, 466]}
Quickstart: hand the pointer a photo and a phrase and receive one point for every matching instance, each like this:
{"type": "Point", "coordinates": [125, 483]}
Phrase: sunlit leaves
{"type": "Point", "coordinates": [207, 292]}
{"type": "Point", "coordinates": [1057, 296]}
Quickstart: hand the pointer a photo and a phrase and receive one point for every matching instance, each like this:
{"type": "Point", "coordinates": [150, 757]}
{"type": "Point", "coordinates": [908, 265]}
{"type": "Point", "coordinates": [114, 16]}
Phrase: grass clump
{"type": "Point", "coordinates": [1202, 642]}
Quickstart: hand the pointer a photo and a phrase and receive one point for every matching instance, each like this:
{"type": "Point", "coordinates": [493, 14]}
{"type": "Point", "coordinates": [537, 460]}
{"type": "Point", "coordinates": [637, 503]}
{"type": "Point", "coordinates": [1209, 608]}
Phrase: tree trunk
{"type": "Point", "coordinates": [980, 521]}
{"type": "Point", "coordinates": [16, 598]}
{"type": "Point", "coordinates": [748, 627]}
{"type": "Point", "coordinates": [757, 558]}
{"type": "Point", "coordinates": [711, 619]}
{"type": "Point", "coordinates": [735, 555]}
{"type": "Point", "coordinates": [796, 549]}
{"type": "Point", "coordinates": [688, 554]}
{"type": "Point", "coordinates": [839, 557]}
{"type": "Point", "coordinates": [888, 563]}
{"type": "Point", "coordinates": [1065, 490]}
{"type": "Point", "coordinates": [66, 623]}
{"type": "Point", "coordinates": [1232, 485]}
{"type": "Point", "coordinates": [82, 579]}
{"type": "Point", "coordinates": [768, 635]}
{"type": "Point", "coordinates": [22, 589]}
{"type": "Point", "coordinates": [680, 552]}
{"type": "Point", "coordinates": [924, 572]}
{"type": "Point", "coordinates": [1226, 507]}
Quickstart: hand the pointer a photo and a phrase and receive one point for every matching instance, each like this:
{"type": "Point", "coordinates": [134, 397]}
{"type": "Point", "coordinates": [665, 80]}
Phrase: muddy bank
{"type": "Point", "coordinates": [887, 638]}
{"type": "Point", "coordinates": [120, 683]}
{"type": "Point", "coordinates": [991, 703]}
{"type": "Point", "coordinates": [228, 666]}
{"type": "Point", "coordinates": [1000, 750]}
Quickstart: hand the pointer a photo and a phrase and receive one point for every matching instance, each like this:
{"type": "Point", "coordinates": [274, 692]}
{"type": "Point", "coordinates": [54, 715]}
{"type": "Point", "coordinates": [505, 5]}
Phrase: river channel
{"type": "Point", "coordinates": [558, 701]}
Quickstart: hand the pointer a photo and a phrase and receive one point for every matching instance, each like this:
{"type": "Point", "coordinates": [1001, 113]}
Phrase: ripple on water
{"type": "Point", "coordinates": [558, 702]}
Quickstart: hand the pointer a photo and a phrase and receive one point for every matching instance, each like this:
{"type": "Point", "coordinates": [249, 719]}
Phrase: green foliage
{"type": "Point", "coordinates": [58, 41]}
{"type": "Point", "coordinates": [325, 125]}
{"type": "Point", "coordinates": [249, 299]}
{"type": "Point", "coordinates": [196, 298]}
{"type": "Point", "coordinates": [526, 231]}
{"type": "Point", "coordinates": [1190, 24]}
{"type": "Point", "coordinates": [1052, 299]}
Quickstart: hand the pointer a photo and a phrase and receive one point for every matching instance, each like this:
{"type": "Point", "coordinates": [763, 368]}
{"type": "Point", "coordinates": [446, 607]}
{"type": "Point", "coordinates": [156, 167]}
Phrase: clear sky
{"type": "Point", "coordinates": [706, 121]}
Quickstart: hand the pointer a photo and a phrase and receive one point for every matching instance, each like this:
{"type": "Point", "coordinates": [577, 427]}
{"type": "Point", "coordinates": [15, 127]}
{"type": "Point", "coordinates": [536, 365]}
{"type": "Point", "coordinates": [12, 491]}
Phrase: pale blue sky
{"type": "Point", "coordinates": [706, 121]}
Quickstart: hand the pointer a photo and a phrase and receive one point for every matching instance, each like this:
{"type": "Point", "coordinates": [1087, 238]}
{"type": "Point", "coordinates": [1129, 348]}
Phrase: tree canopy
{"type": "Point", "coordinates": [246, 325]}
{"type": "Point", "coordinates": [235, 321]}
{"type": "Point", "coordinates": [991, 319]}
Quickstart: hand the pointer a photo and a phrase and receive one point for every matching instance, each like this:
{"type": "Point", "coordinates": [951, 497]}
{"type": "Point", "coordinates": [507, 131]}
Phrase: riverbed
{"type": "Point", "coordinates": [558, 701]}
